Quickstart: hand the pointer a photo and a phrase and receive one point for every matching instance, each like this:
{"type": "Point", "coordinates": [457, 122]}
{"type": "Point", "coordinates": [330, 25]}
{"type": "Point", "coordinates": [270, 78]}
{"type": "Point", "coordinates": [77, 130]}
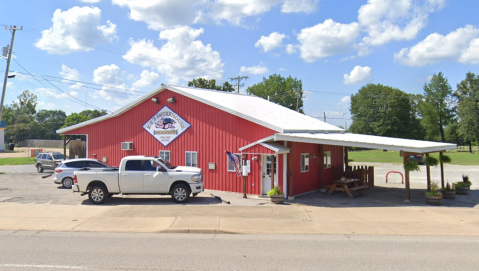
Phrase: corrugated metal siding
{"type": "Point", "coordinates": [212, 132]}
{"type": "Point", "coordinates": [336, 170]}
{"type": "Point", "coordinates": [258, 149]}
{"type": "Point", "coordinates": [305, 181]}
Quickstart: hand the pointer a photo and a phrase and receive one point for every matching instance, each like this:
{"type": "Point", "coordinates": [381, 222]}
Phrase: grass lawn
{"type": "Point", "coordinates": [17, 161]}
{"type": "Point", "coordinates": [457, 158]}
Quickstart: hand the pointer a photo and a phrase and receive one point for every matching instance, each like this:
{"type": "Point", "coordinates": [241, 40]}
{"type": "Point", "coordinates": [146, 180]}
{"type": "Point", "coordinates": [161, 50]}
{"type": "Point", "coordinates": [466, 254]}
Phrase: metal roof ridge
{"type": "Point", "coordinates": [212, 90]}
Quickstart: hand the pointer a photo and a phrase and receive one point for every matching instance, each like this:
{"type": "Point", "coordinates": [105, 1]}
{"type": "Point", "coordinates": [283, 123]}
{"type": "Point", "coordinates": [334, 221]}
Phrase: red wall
{"type": "Point", "coordinates": [311, 180]}
{"type": "Point", "coordinates": [212, 132]}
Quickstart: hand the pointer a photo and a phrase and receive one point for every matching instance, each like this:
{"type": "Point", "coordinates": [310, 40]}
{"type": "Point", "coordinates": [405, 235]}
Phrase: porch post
{"type": "Point", "coordinates": [428, 172]}
{"type": "Point", "coordinates": [64, 148]}
{"type": "Point", "coordinates": [290, 171]}
{"type": "Point", "coordinates": [273, 159]}
{"type": "Point", "coordinates": [321, 163]}
{"type": "Point", "coordinates": [346, 158]}
{"type": "Point", "coordinates": [406, 176]}
{"type": "Point", "coordinates": [442, 169]}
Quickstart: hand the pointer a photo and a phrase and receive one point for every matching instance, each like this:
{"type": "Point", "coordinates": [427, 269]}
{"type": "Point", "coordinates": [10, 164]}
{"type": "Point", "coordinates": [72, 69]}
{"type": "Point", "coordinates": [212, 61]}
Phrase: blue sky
{"type": "Point", "coordinates": [90, 54]}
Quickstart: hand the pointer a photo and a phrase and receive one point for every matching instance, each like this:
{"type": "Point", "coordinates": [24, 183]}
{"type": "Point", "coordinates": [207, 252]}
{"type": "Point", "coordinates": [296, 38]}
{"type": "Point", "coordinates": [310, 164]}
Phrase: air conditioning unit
{"type": "Point", "coordinates": [126, 146]}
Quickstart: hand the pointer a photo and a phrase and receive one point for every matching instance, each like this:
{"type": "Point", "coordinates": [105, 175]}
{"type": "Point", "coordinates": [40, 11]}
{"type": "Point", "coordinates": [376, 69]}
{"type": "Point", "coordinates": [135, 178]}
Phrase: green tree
{"type": "Point", "coordinates": [210, 84]}
{"type": "Point", "coordinates": [436, 107]}
{"type": "Point", "coordinates": [384, 111]}
{"type": "Point", "coordinates": [19, 117]}
{"type": "Point", "coordinates": [47, 122]}
{"type": "Point", "coordinates": [467, 93]}
{"type": "Point", "coordinates": [84, 115]}
{"type": "Point", "coordinates": [287, 92]}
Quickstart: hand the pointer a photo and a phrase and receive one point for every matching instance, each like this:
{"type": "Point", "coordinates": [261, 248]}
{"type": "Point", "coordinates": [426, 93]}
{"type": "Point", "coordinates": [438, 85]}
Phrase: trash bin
{"type": "Point", "coordinates": [11, 146]}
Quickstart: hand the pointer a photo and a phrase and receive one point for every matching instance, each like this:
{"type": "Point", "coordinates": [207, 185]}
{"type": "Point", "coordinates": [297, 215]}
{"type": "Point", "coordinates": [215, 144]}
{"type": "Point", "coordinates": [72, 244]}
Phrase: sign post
{"type": "Point", "coordinates": [245, 174]}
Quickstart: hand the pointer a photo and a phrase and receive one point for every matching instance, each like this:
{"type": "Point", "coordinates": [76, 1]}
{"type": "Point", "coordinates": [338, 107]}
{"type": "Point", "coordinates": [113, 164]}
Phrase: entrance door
{"type": "Point", "coordinates": [266, 173]}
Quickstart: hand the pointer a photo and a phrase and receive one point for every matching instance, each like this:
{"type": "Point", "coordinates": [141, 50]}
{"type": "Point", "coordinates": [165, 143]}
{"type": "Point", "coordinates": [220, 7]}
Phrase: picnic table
{"type": "Point", "coordinates": [347, 185]}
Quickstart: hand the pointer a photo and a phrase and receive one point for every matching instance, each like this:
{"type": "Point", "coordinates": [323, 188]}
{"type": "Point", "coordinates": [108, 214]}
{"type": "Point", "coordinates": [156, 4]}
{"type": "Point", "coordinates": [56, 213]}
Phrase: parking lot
{"type": "Point", "coordinates": [22, 184]}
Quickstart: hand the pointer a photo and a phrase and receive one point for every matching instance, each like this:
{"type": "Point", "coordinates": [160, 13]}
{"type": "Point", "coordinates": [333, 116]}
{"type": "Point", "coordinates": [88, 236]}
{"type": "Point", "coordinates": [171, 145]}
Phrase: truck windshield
{"type": "Point", "coordinates": [167, 164]}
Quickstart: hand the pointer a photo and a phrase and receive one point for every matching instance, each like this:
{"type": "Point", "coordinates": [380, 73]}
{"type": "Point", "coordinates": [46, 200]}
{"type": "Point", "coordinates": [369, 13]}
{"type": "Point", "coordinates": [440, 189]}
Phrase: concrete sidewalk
{"type": "Point", "coordinates": [273, 219]}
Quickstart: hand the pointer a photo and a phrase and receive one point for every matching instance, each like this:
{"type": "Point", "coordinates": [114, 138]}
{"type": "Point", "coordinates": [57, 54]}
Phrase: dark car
{"type": "Point", "coordinates": [417, 158]}
{"type": "Point", "coordinates": [48, 160]}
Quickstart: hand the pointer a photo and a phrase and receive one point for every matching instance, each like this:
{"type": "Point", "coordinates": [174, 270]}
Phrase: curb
{"type": "Point", "coordinates": [198, 231]}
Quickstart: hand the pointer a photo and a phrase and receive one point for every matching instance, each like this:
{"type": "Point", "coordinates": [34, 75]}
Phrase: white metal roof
{"type": "Point", "coordinates": [366, 141]}
{"type": "Point", "coordinates": [276, 147]}
{"type": "Point", "coordinates": [252, 108]}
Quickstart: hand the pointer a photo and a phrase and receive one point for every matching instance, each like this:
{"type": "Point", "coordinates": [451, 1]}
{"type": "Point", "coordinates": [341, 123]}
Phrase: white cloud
{"type": "Point", "coordinates": [166, 14]}
{"type": "Point", "coordinates": [291, 49]}
{"type": "Point", "coordinates": [77, 85]}
{"type": "Point", "coordinates": [76, 29]}
{"type": "Point", "coordinates": [10, 85]}
{"type": "Point", "coordinates": [358, 75]}
{"type": "Point", "coordinates": [270, 42]}
{"type": "Point", "coordinates": [146, 79]}
{"type": "Point", "coordinates": [43, 105]}
{"type": "Point", "coordinates": [393, 20]}
{"type": "Point", "coordinates": [90, 1]}
{"type": "Point", "coordinates": [114, 88]}
{"type": "Point", "coordinates": [344, 102]}
{"type": "Point", "coordinates": [182, 57]}
{"type": "Point", "coordinates": [326, 39]}
{"type": "Point", "coordinates": [163, 14]}
{"type": "Point", "coordinates": [458, 45]}
{"type": "Point", "coordinates": [69, 75]}
{"type": "Point", "coordinates": [260, 69]}
{"type": "Point", "coordinates": [51, 93]}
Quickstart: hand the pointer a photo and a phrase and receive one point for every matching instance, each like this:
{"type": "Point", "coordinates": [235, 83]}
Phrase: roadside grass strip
{"type": "Point", "coordinates": [11, 161]}
{"type": "Point", "coordinates": [393, 157]}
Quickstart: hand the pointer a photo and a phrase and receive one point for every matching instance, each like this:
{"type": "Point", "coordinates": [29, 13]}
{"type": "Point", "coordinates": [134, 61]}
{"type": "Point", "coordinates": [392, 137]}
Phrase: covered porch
{"type": "Point", "coordinates": [405, 147]}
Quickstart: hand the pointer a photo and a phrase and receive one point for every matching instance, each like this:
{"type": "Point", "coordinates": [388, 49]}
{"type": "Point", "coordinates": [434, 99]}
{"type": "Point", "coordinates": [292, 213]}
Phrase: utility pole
{"type": "Point", "coordinates": [14, 28]}
{"type": "Point", "coordinates": [324, 116]}
{"type": "Point", "coordinates": [239, 78]}
{"type": "Point", "coordinates": [297, 98]}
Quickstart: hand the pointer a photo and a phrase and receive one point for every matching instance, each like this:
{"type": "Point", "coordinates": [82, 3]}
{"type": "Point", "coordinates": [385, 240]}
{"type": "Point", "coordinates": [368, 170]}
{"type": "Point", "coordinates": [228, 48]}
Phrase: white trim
{"type": "Point", "coordinates": [191, 158]}
{"type": "Point", "coordinates": [304, 166]}
{"type": "Point", "coordinates": [324, 156]}
{"type": "Point", "coordinates": [269, 138]}
{"type": "Point", "coordinates": [285, 174]}
{"type": "Point", "coordinates": [86, 152]}
{"type": "Point", "coordinates": [388, 143]}
{"type": "Point", "coordinates": [159, 153]}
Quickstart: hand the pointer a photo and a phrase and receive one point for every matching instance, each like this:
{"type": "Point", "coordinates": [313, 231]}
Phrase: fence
{"type": "Point", "coordinates": [77, 149]}
{"type": "Point", "coordinates": [43, 143]}
{"type": "Point", "coordinates": [363, 173]}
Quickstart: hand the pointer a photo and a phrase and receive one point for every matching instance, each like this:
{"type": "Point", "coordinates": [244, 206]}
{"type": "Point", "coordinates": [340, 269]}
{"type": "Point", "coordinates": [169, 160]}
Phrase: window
{"type": "Point", "coordinates": [304, 162]}
{"type": "Point", "coordinates": [133, 165]}
{"type": "Point", "coordinates": [95, 164]}
{"type": "Point", "coordinates": [165, 155]}
{"type": "Point", "coordinates": [327, 159]}
{"type": "Point", "coordinates": [44, 156]}
{"type": "Point", "coordinates": [191, 159]}
{"type": "Point", "coordinates": [151, 165]}
{"type": "Point", "coordinates": [230, 165]}
{"type": "Point", "coordinates": [268, 165]}
{"type": "Point", "coordinates": [77, 164]}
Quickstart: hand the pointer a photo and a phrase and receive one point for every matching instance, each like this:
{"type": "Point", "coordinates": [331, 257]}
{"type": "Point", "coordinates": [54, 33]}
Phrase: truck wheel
{"type": "Point", "coordinates": [67, 182]}
{"type": "Point", "coordinates": [97, 194]}
{"type": "Point", "coordinates": [180, 193]}
{"type": "Point", "coordinates": [39, 168]}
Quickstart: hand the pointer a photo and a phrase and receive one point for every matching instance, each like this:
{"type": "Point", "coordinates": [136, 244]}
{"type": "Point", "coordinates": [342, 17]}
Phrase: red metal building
{"type": "Point", "coordinates": [195, 127]}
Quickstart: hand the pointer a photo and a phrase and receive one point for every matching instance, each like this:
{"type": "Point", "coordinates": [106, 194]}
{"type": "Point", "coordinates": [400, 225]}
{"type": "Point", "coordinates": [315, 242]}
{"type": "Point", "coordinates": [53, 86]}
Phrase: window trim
{"type": "Point", "coordinates": [228, 162]}
{"type": "Point", "coordinates": [326, 155]}
{"type": "Point", "coordinates": [191, 158]}
{"type": "Point", "coordinates": [169, 160]}
{"type": "Point", "coordinates": [302, 167]}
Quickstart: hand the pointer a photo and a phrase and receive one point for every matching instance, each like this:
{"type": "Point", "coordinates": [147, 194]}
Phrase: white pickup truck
{"type": "Point", "coordinates": [139, 175]}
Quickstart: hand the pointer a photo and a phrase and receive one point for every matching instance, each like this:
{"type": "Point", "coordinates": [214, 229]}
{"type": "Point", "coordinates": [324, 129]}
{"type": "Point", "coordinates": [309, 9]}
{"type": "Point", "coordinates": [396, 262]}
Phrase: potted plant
{"type": "Point", "coordinates": [462, 188]}
{"type": "Point", "coordinates": [411, 166]}
{"type": "Point", "coordinates": [449, 192]}
{"type": "Point", "coordinates": [276, 195]}
{"type": "Point", "coordinates": [434, 197]}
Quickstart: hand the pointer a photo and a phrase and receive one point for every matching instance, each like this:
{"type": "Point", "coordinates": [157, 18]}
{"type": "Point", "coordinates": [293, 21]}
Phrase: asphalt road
{"type": "Point", "coordinates": [114, 251]}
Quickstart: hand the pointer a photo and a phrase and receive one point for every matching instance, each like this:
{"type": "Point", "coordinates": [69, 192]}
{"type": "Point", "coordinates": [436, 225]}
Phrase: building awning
{"type": "Point", "coordinates": [365, 141]}
{"type": "Point", "coordinates": [264, 148]}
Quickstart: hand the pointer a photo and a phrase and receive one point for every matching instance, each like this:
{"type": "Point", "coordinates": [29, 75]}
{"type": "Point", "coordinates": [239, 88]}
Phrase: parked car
{"type": "Point", "coordinates": [139, 175]}
{"type": "Point", "coordinates": [417, 158]}
{"type": "Point", "coordinates": [64, 171]}
{"type": "Point", "coordinates": [48, 160]}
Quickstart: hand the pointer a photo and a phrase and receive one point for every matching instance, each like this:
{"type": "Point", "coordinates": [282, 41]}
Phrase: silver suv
{"type": "Point", "coordinates": [48, 160]}
{"type": "Point", "coordinates": [64, 171]}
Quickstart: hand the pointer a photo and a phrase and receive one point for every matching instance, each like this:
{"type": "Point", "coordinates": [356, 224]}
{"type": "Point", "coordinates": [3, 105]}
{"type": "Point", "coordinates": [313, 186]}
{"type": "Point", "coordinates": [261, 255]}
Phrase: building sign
{"type": "Point", "coordinates": [166, 126]}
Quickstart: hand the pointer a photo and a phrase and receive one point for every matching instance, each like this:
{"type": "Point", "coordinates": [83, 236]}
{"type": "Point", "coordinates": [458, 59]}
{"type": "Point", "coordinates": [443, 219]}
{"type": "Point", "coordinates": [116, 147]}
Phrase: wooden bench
{"type": "Point", "coordinates": [358, 188]}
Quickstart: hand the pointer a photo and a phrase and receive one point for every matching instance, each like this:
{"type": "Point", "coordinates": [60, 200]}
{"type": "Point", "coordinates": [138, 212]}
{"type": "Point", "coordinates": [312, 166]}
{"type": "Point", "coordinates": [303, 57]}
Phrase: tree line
{"type": "Point", "coordinates": [23, 121]}
{"type": "Point", "coordinates": [439, 114]}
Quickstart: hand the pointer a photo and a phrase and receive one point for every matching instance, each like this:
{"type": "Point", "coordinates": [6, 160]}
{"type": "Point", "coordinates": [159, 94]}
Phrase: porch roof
{"type": "Point", "coordinates": [359, 140]}
{"type": "Point", "coordinates": [265, 148]}
{"type": "Point", "coordinates": [367, 141]}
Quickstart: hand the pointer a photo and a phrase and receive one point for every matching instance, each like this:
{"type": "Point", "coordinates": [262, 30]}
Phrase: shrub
{"type": "Point", "coordinates": [431, 161]}
{"type": "Point", "coordinates": [275, 191]}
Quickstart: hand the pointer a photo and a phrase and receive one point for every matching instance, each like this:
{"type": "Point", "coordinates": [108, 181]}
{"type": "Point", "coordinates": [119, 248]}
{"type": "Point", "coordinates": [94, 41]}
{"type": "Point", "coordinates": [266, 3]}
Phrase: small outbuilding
{"type": "Point", "coordinates": [194, 127]}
